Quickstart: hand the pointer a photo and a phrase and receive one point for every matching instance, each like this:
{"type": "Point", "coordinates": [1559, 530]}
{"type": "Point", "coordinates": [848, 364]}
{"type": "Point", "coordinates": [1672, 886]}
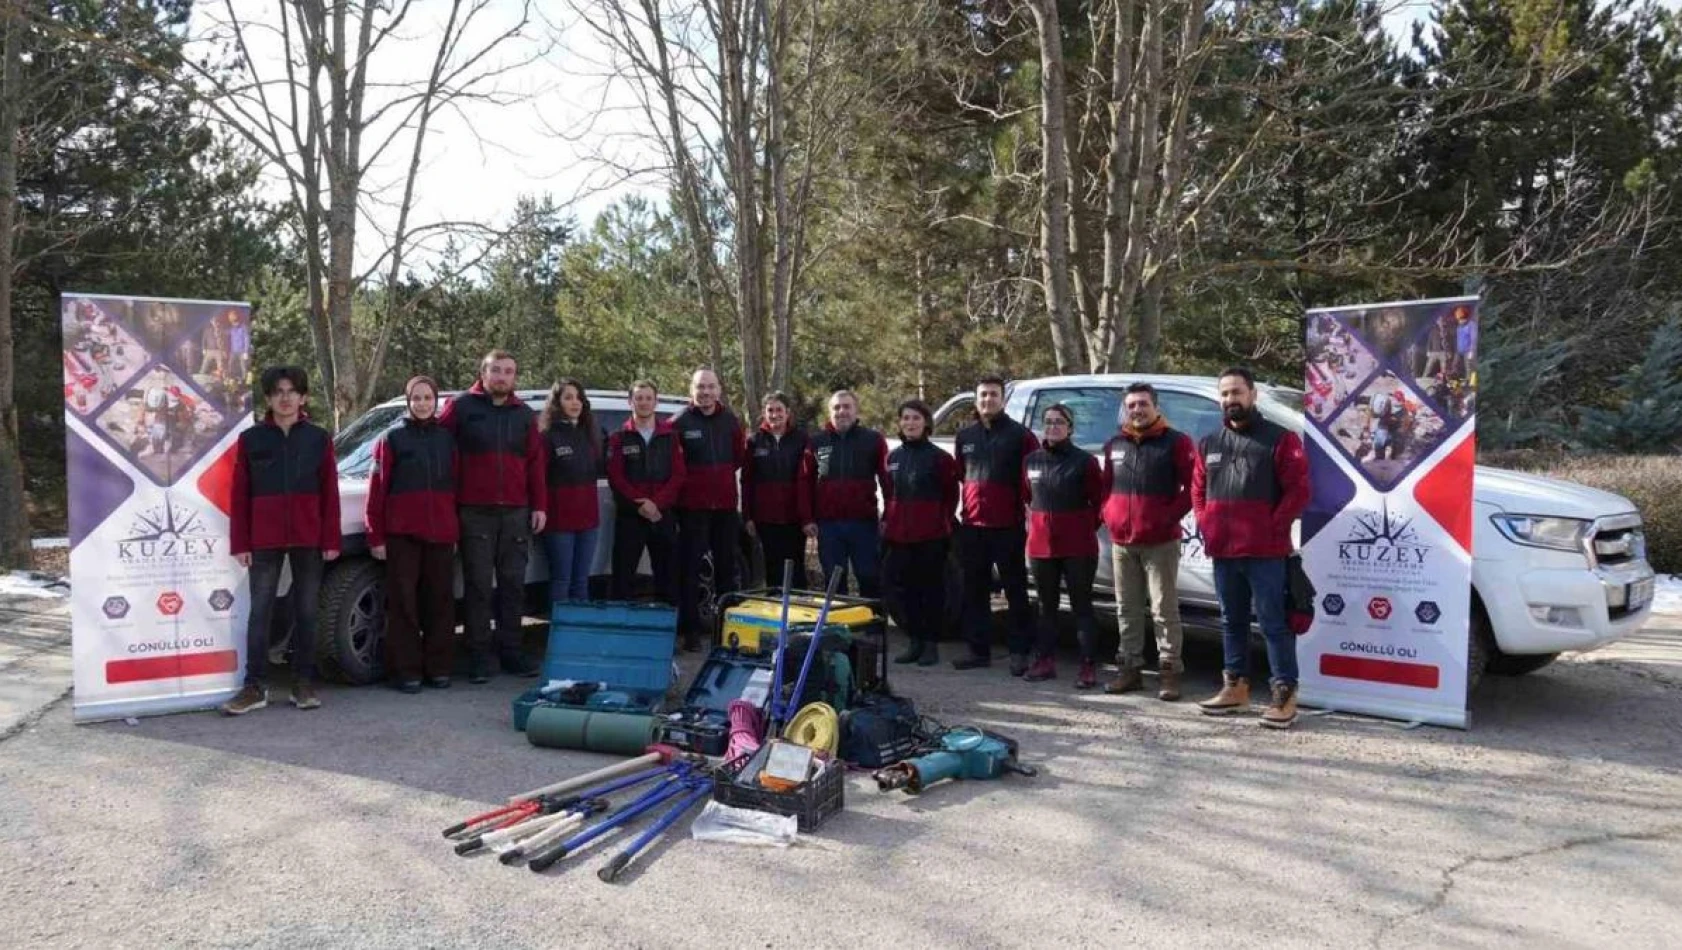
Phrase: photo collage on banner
{"type": "Point", "coordinates": [156, 393]}
{"type": "Point", "coordinates": [1391, 400]}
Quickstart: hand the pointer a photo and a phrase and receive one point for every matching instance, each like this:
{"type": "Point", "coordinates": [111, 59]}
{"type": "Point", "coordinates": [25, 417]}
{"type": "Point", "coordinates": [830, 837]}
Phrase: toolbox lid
{"type": "Point", "coordinates": [626, 646]}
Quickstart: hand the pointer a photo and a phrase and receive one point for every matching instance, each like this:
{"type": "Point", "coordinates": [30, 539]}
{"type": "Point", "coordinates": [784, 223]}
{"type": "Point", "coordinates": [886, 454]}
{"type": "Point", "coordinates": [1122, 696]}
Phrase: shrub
{"type": "Point", "coordinates": [1652, 482]}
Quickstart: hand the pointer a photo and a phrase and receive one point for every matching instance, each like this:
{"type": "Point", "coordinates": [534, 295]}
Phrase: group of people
{"type": "Point", "coordinates": [488, 474]}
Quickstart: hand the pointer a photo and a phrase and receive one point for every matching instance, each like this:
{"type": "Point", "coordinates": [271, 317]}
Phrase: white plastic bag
{"type": "Point", "coordinates": [744, 826]}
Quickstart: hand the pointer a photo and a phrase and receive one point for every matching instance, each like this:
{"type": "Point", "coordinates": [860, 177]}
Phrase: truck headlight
{"type": "Point", "coordinates": [1537, 531]}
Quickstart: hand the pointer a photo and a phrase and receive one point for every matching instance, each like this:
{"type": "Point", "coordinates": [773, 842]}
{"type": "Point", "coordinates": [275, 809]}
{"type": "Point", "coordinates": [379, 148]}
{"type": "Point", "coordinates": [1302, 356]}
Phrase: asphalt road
{"type": "Point", "coordinates": [1555, 821]}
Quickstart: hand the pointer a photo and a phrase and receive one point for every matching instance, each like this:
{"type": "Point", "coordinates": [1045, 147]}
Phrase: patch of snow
{"type": "Point", "coordinates": [1667, 594]}
{"type": "Point", "coordinates": [31, 584]}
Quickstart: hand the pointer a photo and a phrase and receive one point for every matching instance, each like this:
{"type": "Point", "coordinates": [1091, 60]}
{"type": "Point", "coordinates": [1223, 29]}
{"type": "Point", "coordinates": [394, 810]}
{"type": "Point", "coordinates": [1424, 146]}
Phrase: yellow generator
{"type": "Point", "coordinates": [751, 617]}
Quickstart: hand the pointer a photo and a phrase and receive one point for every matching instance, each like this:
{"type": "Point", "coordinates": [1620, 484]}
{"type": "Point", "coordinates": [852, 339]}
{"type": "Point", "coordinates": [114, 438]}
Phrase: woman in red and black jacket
{"type": "Point", "coordinates": [574, 445]}
{"type": "Point", "coordinates": [777, 491]}
{"type": "Point", "coordinates": [412, 526]}
{"type": "Point", "coordinates": [922, 498]}
{"type": "Point", "coordinates": [1064, 491]}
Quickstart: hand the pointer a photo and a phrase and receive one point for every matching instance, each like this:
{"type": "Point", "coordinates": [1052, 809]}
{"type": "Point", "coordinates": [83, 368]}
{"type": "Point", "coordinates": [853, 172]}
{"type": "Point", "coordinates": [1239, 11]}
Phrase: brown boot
{"type": "Point", "coordinates": [1168, 684]}
{"type": "Point", "coordinates": [1129, 680]}
{"type": "Point", "coordinates": [1233, 697]}
{"type": "Point", "coordinates": [1281, 713]}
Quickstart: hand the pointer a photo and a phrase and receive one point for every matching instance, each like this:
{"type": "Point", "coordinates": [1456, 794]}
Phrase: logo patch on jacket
{"type": "Point", "coordinates": [631, 450]}
{"type": "Point", "coordinates": [693, 434]}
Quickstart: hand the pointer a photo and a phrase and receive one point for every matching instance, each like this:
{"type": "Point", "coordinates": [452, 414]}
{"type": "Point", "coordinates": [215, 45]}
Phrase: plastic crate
{"type": "Point", "coordinates": [812, 804]}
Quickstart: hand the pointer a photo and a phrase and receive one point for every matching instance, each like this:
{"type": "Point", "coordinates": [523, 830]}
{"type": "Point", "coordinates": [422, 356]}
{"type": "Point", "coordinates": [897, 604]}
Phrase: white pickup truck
{"type": "Point", "coordinates": [1556, 566]}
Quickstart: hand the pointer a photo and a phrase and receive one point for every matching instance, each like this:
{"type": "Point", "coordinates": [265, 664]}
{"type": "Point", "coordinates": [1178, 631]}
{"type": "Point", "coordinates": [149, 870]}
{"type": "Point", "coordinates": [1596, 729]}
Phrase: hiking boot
{"type": "Point", "coordinates": [1088, 675]}
{"type": "Point", "coordinates": [407, 686]}
{"type": "Point", "coordinates": [1281, 713]}
{"type": "Point", "coordinates": [438, 682]}
{"type": "Point", "coordinates": [515, 664]}
{"type": "Point", "coordinates": [930, 655]}
{"type": "Point", "coordinates": [1168, 684]}
{"type": "Point", "coordinates": [1018, 664]}
{"type": "Point", "coordinates": [249, 699]}
{"type": "Point", "coordinates": [303, 695]}
{"type": "Point", "coordinates": [1128, 679]}
{"type": "Point", "coordinates": [972, 661]}
{"type": "Point", "coordinates": [1044, 668]}
{"type": "Point", "coordinates": [1233, 697]}
{"type": "Point", "coordinates": [912, 653]}
{"type": "Point", "coordinates": [479, 669]}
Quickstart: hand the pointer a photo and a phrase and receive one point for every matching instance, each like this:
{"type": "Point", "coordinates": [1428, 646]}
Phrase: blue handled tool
{"type": "Point", "coordinates": [665, 790]}
{"type": "Point", "coordinates": [623, 859]}
{"type": "Point", "coordinates": [780, 706]}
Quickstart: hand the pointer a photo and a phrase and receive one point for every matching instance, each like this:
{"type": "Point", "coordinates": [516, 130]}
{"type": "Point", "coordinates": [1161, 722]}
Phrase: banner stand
{"type": "Point", "coordinates": [1387, 536]}
{"type": "Point", "coordinates": [156, 393]}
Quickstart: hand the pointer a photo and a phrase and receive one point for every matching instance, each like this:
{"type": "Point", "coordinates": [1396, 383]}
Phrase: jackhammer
{"type": "Point", "coordinates": [962, 753]}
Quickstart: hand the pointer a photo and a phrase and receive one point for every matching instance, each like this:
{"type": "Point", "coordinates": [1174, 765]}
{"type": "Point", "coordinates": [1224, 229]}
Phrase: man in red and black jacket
{"type": "Point", "coordinates": [921, 491]}
{"type": "Point", "coordinates": [502, 497]}
{"type": "Point", "coordinates": [845, 465]}
{"type": "Point", "coordinates": [777, 491]}
{"type": "Point", "coordinates": [1250, 485]}
{"type": "Point", "coordinates": [714, 450]}
{"type": "Point", "coordinates": [990, 453]}
{"type": "Point", "coordinates": [285, 511]}
{"type": "Point", "coordinates": [645, 470]}
{"type": "Point", "coordinates": [1148, 468]}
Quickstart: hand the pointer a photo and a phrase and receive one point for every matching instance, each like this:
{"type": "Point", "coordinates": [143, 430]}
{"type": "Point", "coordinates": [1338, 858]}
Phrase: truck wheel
{"type": "Point", "coordinates": [1505, 664]}
{"type": "Point", "coordinates": [352, 623]}
{"type": "Point", "coordinates": [1479, 648]}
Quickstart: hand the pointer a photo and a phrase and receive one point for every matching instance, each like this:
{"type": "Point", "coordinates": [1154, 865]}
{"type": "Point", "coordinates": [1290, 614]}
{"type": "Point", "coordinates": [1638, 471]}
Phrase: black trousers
{"type": "Point", "coordinates": [305, 596]}
{"type": "Point", "coordinates": [979, 551]}
{"type": "Point", "coordinates": [700, 533]}
{"type": "Point", "coordinates": [495, 546]}
{"type": "Point", "coordinates": [633, 534]}
{"type": "Point", "coordinates": [915, 575]}
{"type": "Point", "coordinates": [419, 598]}
{"type": "Point", "coordinates": [1074, 574]}
{"type": "Point", "coordinates": [782, 542]}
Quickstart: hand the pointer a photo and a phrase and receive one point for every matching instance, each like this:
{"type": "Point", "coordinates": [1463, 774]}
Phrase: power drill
{"type": "Point", "coordinates": [964, 753]}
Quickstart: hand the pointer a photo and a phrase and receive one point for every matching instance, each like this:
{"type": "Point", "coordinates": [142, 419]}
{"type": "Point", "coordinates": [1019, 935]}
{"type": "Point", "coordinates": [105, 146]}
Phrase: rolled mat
{"type": "Point", "coordinates": [613, 733]}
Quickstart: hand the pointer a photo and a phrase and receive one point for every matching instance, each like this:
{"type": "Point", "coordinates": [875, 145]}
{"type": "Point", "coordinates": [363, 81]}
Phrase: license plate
{"type": "Point", "coordinates": [1640, 594]}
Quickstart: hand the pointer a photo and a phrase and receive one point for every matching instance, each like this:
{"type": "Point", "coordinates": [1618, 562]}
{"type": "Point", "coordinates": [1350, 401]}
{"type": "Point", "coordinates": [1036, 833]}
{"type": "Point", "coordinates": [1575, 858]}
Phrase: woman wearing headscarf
{"type": "Point", "coordinates": [1064, 491]}
{"type": "Point", "coordinates": [922, 499]}
{"type": "Point", "coordinates": [412, 526]}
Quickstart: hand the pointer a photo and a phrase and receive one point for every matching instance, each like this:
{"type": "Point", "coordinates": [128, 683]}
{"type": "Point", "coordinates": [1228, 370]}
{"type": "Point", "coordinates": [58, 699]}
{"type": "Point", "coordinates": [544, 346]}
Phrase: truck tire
{"type": "Point", "coordinates": [1479, 648]}
{"type": "Point", "coordinates": [352, 623]}
{"type": "Point", "coordinates": [1506, 664]}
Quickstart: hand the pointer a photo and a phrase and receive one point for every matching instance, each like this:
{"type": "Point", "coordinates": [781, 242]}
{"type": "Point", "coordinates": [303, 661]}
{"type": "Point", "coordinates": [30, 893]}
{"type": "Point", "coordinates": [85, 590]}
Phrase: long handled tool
{"type": "Point", "coordinates": [782, 708]}
{"type": "Point", "coordinates": [573, 811]}
{"type": "Point", "coordinates": [623, 859]}
{"type": "Point", "coordinates": [656, 755]}
{"type": "Point", "coordinates": [540, 861]}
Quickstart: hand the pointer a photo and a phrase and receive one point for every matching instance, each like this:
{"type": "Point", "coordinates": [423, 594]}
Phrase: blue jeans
{"type": "Point", "coordinates": [854, 542]}
{"type": "Point", "coordinates": [571, 554]}
{"type": "Point", "coordinates": [1238, 582]}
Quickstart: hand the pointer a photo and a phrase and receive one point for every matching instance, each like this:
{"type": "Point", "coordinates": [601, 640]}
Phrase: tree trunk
{"type": "Point", "coordinates": [1056, 186]}
{"type": "Point", "coordinates": [15, 551]}
{"type": "Point", "coordinates": [737, 41]}
{"type": "Point", "coordinates": [1114, 307]}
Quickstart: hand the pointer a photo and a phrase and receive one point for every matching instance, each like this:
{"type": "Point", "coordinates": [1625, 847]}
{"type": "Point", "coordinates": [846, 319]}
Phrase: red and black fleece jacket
{"type": "Point", "coordinates": [1148, 476]}
{"type": "Point", "coordinates": [650, 468]}
{"type": "Point", "coordinates": [502, 459]}
{"type": "Point", "coordinates": [1064, 492]}
{"type": "Point", "coordinates": [714, 449]}
{"type": "Point", "coordinates": [922, 493]}
{"type": "Point", "coordinates": [286, 489]}
{"type": "Point", "coordinates": [776, 484]}
{"type": "Point", "coordinates": [1251, 483]}
{"type": "Point", "coordinates": [574, 464]}
{"type": "Point", "coordinates": [413, 489]}
{"type": "Point", "coordinates": [991, 455]}
{"type": "Point", "coordinates": [846, 469]}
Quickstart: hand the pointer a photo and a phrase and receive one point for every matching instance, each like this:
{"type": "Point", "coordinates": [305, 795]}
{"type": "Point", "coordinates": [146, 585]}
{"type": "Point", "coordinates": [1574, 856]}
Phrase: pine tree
{"type": "Point", "coordinates": [1648, 418]}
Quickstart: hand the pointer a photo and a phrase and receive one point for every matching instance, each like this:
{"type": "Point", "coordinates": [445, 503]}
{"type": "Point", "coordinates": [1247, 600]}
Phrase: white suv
{"type": "Point", "coordinates": [1556, 566]}
{"type": "Point", "coordinates": [352, 616]}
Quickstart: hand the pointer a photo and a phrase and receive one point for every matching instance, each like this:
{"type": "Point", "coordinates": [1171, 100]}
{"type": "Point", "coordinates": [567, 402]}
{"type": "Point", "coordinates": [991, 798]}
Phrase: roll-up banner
{"type": "Point", "coordinates": [156, 392]}
{"type": "Point", "coordinates": [1391, 397]}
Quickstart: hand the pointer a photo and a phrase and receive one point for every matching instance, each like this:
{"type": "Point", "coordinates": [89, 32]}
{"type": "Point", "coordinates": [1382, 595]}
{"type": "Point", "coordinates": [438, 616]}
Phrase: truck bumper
{"type": "Point", "coordinates": [1560, 609]}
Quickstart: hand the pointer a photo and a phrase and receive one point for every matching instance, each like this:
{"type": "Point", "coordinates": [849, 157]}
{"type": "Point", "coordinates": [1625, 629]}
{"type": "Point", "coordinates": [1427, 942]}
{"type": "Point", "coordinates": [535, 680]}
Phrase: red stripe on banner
{"type": "Point", "coordinates": [171, 667]}
{"type": "Point", "coordinates": [1380, 671]}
